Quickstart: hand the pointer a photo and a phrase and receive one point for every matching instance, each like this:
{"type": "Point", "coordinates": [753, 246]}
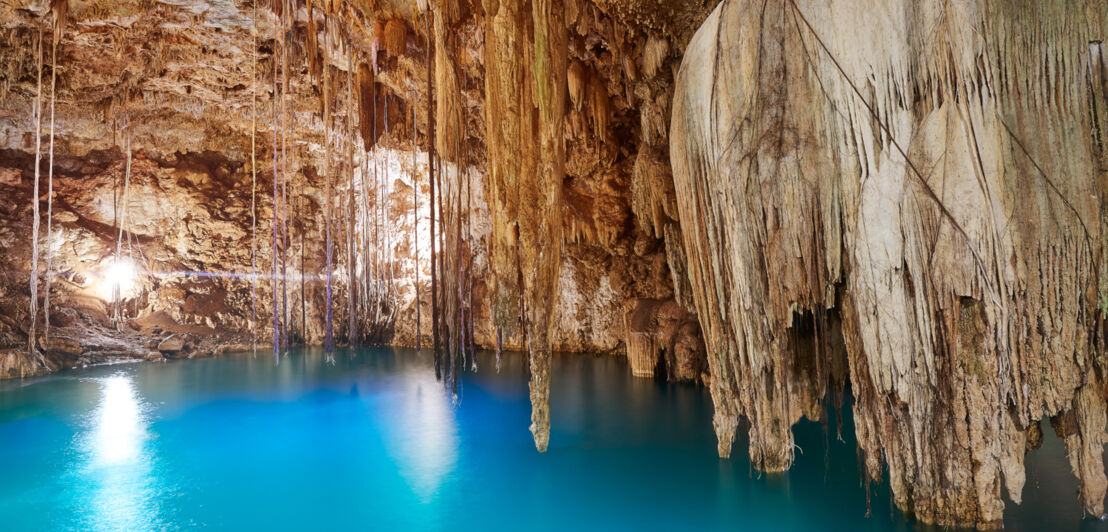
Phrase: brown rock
{"type": "Point", "coordinates": [60, 346]}
{"type": "Point", "coordinates": [172, 344]}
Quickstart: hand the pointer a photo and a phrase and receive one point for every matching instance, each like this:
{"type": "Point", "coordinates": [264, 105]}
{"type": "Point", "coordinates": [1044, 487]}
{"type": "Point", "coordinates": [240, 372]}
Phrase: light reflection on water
{"type": "Point", "coordinates": [116, 465]}
{"type": "Point", "coordinates": [118, 426]}
{"type": "Point", "coordinates": [422, 436]}
{"type": "Point", "coordinates": [372, 441]}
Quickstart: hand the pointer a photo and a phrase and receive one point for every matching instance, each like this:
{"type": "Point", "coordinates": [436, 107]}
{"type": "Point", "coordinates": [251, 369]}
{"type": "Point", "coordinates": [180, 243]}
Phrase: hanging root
{"type": "Point", "coordinates": [32, 349]}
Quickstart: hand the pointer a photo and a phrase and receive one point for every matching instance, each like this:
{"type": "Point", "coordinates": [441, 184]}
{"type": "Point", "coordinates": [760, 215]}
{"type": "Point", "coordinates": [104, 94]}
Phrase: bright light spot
{"type": "Point", "coordinates": [121, 274]}
{"type": "Point", "coordinates": [120, 426]}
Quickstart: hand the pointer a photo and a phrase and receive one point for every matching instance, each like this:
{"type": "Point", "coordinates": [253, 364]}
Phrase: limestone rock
{"type": "Point", "coordinates": [172, 344]}
{"type": "Point", "coordinates": [917, 172]}
{"type": "Point", "coordinates": [661, 333]}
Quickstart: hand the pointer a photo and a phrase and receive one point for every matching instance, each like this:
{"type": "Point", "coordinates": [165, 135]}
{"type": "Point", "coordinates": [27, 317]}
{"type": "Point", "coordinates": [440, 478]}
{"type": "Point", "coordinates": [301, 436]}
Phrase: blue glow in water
{"type": "Point", "coordinates": [372, 441]}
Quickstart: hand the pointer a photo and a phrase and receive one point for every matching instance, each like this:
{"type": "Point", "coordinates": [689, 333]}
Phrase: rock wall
{"type": "Point", "coordinates": [195, 98]}
{"type": "Point", "coordinates": [933, 173]}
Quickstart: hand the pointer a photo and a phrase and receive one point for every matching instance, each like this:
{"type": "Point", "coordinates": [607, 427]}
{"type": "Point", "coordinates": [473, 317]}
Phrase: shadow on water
{"type": "Point", "coordinates": [371, 440]}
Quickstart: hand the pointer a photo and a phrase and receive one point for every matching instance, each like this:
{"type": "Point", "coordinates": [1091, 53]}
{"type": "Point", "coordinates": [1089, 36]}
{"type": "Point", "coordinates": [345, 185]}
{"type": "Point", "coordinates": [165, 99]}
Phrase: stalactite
{"type": "Point", "coordinates": [541, 270]}
{"type": "Point", "coordinates": [654, 55]}
{"type": "Point", "coordinates": [954, 350]}
{"type": "Point", "coordinates": [315, 66]}
{"type": "Point", "coordinates": [55, 36]}
{"type": "Point", "coordinates": [525, 176]}
{"type": "Point", "coordinates": [31, 347]}
{"type": "Point", "coordinates": [365, 126]}
{"type": "Point", "coordinates": [395, 37]}
{"type": "Point", "coordinates": [294, 163]}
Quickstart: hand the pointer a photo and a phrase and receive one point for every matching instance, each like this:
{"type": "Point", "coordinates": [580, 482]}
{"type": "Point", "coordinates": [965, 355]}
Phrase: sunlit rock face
{"type": "Point", "coordinates": [932, 173]}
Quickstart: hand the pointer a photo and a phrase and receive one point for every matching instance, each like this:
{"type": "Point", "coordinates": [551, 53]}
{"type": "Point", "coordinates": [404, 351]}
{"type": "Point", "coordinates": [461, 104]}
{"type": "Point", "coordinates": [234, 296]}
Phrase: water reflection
{"type": "Point", "coordinates": [422, 432]}
{"type": "Point", "coordinates": [120, 425]}
{"type": "Point", "coordinates": [118, 467]}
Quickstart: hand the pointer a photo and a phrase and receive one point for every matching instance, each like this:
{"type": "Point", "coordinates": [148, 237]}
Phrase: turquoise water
{"type": "Point", "coordinates": [372, 442]}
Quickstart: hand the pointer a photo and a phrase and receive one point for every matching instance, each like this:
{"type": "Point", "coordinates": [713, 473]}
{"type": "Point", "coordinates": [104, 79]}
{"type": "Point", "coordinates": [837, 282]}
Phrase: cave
{"type": "Point", "coordinates": [553, 264]}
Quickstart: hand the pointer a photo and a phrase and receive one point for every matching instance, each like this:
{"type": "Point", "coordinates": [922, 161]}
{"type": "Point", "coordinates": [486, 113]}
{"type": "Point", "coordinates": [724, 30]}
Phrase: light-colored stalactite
{"type": "Point", "coordinates": [932, 175]}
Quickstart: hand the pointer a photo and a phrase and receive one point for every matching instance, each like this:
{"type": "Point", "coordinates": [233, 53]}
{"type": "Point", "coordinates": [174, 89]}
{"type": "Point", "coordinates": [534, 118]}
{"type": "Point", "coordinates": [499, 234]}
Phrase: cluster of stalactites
{"type": "Point", "coordinates": [936, 179]}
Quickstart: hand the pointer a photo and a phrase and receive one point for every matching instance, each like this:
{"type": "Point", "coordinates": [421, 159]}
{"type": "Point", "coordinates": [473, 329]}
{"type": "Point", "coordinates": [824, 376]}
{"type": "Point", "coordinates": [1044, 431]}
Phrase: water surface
{"type": "Point", "coordinates": [371, 441]}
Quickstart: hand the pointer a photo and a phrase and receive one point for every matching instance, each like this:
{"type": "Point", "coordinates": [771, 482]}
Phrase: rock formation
{"type": "Point", "coordinates": [205, 121]}
{"type": "Point", "coordinates": [932, 173]}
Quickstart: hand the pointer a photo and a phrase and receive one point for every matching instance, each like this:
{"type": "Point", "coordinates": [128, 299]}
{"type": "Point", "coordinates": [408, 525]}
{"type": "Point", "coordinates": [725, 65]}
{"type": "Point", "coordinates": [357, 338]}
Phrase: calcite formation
{"type": "Point", "coordinates": [662, 334]}
{"type": "Point", "coordinates": [934, 174]}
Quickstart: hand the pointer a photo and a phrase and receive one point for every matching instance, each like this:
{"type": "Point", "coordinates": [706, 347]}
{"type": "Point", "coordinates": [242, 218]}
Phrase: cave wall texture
{"type": "Point", "coordinates": [761, 196]}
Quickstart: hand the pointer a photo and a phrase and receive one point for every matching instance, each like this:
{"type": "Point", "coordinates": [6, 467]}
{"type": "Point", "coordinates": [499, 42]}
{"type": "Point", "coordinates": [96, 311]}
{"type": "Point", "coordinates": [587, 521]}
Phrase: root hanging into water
{"type": "Point", "coordinates": [276, 315]}
{"type": "Point", "coordinates": [254, 186]}
{"type": "Point", "coordinates": [352, 327]}
{"type": "Point", "coordinates": [415, 231]}
{"type": "Point", "coordinates": [284, 19]}
{"type": "Point", "coordinates": [431, 178]}
{"type": "Point", "coordinates": [58, 22]}
{"type": "Point", "coordinates": [121, 205]}
{"type": "Point", "coordinates": [329, 342]}
{"type": "Point", "coordinates": [37, 110]}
